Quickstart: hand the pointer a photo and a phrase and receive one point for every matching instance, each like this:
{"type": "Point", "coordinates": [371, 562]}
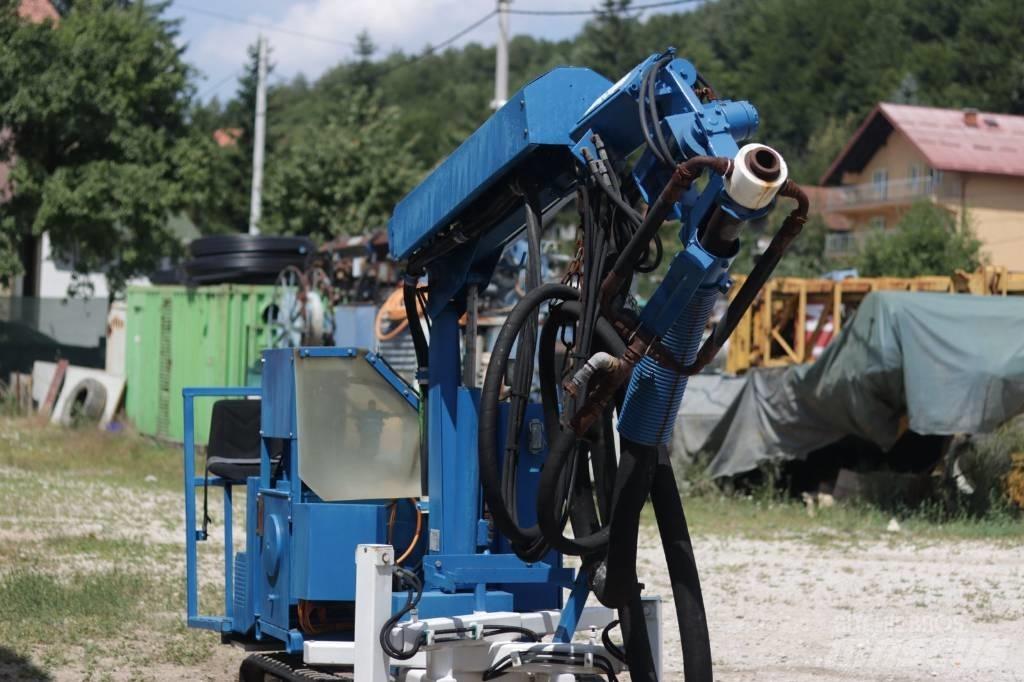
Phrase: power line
{"type": "Point", "coordinates": [440, 46]}
{"type": "Point", "coordinates": [216, 86]}
{"type": "Point", "coordinates": [263, 26]}
{"type": "Point", "coordinates": [449, 41]}
{"type": "Point", "coordinates": [592, 12]}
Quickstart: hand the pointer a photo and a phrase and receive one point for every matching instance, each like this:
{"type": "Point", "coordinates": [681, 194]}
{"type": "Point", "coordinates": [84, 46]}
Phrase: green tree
{"type": "Point", "coordinates": [343, 177]}
{"type": "Point", "coordinates": [926, 241]}
{"type": "Point", "coordinates": [608, 42]}
{"type": "Point", "coordinates": [805, 257]}
{"type": "Point", "coordinates": [96, 114]}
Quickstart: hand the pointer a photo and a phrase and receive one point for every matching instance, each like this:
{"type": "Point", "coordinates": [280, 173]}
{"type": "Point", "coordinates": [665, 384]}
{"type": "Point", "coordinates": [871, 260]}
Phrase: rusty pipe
{"type": "Point", "coordinates": [682, 177]}
{"type": "Point", "coordinates": [758, 277]}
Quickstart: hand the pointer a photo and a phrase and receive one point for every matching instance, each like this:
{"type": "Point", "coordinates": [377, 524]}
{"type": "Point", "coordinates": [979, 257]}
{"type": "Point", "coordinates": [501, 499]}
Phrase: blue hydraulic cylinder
{"type": "Point", "coordinates": [652, 399]}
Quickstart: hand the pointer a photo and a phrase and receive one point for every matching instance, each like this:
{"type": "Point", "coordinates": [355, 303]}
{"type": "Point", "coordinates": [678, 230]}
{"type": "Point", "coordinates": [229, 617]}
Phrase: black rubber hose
{"type": "Point", "coordinates": [522, 376]}
{"type": "Point", "coordinates": [572, 455]}
{"type": "Point", "coordinates": [422, 349]}
{"type": "Point", "coordinates": [415, 587]}
{"type": "Point", "coordinates": [682, 569]}
{"type": "Point", "coordinates": [528, 543]}
{"type": "Point", "coordinates": [636, 640]}
{"type": "Point", "coordinates": [642, 111]}
{"type": "Point", "coordinates": [615, 579]}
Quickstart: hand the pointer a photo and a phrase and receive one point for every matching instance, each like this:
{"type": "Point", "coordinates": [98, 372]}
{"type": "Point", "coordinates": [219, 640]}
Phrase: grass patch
{"type": "Point", "coordinates": [765, 517]}
{"type": "Point", "coordinates": [37, 608]}
{"type": "Point", "coordinates": [96, 547]}
{"type": "Point", "coordinates": [124, 458]}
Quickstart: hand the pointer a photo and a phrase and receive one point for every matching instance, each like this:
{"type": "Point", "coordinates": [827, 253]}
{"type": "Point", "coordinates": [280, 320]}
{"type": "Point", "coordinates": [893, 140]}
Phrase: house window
{"type": "Point", "coordinates": [934, 178]}
{"type": "Point", "coordinates": [914, 178]}
{"type": "Point", "coordinates": [880, 183]}
{"type": "Point", "coordinates": [877, 222]}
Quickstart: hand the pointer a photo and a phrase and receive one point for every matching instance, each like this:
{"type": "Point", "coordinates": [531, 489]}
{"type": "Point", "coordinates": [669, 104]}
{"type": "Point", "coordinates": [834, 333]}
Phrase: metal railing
{"type": "Point", "coordinates": [890, 192]}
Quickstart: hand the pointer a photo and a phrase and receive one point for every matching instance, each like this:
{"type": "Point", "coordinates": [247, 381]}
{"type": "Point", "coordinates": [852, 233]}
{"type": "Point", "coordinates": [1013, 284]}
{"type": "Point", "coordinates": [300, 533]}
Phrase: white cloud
{"type": "Point", "coordinates": [217, 47]}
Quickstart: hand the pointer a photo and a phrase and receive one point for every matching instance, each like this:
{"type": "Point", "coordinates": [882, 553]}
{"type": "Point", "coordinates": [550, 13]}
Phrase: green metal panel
{"type": "Point", "coordinates": [179, 337]}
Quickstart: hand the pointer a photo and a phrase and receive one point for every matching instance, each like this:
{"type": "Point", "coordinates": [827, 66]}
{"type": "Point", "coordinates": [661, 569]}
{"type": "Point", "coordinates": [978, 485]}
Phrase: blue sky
{"type": "Point", "coordinates": [313, 35]}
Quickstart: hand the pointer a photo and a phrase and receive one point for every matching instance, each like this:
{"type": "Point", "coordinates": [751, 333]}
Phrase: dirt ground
{"type": "Point", "coordinates": [793, 610]}
{"type": "Point", "coordinates": [91, 583]}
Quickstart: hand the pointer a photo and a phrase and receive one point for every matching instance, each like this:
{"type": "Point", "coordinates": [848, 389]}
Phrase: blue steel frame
{"type": "Point", "coordinates": [554, 115]}
{"type": "Point", "coordinates": [195, 535]}
{"type": "Point", "coordinates": [559, 111]}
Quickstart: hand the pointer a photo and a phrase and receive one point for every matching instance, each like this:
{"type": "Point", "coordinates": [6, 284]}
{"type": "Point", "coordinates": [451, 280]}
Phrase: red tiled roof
{"type": "Point", "coordinates": [994, 143]}
{"type": "Point", "coordinates": [227, 137]}
{"type": "Point", "coordinates": [37, 10]}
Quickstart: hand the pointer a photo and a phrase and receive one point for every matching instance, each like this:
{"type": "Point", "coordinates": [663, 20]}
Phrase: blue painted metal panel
{"type": "Point", "coordinates": [544, 112]}
{"type": "Point", "coordinates": [454, 571]}
{"type": "Point", "coordinates": [275, 563]}
{"type": "Point", "coordinates": [324, 540]}
{"type": "Point", "coordinates": [392, 377]}
{"type": "Point", "coordinates": [442, 410]}
{"type": "Point", "coordinates": [463, 501]}
{"type": "Point", "coordinates": [277, 412]}
{"type": "Point", "coordinates": [441, 605]}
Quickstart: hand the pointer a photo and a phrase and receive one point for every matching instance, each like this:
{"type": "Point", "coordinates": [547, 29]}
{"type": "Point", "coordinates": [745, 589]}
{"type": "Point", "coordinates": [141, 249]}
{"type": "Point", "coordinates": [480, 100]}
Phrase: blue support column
{"type": "Point", "coordinates": [229, 552]}
{"type": "Point", "coordinates": [191, 580]}
{"type": "Point", "coordinates": [442, 411]}
{"type": "Point", "coordinates": [464, 507]}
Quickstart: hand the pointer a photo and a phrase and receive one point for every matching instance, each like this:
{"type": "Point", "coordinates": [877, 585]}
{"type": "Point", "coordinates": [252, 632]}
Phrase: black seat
{"type": "Point", "coordinates": [234, 449]}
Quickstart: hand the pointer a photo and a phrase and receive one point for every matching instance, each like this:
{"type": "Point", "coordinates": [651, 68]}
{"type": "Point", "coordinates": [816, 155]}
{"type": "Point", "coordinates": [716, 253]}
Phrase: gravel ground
{"type": "Point", "coordinates": [894, 610]}
{"type": "Point", "coordinates": [790, 601]}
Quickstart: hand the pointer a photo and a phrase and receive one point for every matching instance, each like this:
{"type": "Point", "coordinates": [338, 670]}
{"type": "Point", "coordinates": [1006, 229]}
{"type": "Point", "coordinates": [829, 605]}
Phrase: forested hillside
{"type": "Point", "coordinates": [813, 68]}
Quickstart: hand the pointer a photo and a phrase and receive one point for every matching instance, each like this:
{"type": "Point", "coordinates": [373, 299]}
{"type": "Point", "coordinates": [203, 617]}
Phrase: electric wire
{"type": "Point", "coordinates": [415, 589]}
{"type": "Point", "coordinates": [430, 50]}
{"type": "Point", "coordinates": [211, 89]}
{"type": "Point", "coordinates": [263, 25]}
{"type": "Point", "coordinates": [596, 12]}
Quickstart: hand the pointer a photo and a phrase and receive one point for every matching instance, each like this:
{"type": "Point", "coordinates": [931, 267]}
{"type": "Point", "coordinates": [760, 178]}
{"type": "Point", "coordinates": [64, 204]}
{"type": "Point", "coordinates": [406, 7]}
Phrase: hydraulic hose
{"type": "Point", "coordinates": [683, 176]}
{"type": "Point", "coordinates": [614, 582]}
{"type": "Point", "coordinates": [521, 383]}
{"type": "Point", "coordinates": [682, 571]}
{"type": "Point", "coordinates": [528, 543]}
{"type": "Point", "coordinates": [567, 454]}
{"type": "Point", "coordinates": [590, 503]}
{"type": "Point", "coordinates": [636, 640]}
{"type": "Point", "coordinates": [422, 349]}
{"type": "Point", "coordinates": [655, 391]}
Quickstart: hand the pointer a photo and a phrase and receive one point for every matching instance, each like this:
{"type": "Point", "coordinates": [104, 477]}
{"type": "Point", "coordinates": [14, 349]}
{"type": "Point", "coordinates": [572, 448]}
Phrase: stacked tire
{"type": "Point", "coordinates": [245, 259]}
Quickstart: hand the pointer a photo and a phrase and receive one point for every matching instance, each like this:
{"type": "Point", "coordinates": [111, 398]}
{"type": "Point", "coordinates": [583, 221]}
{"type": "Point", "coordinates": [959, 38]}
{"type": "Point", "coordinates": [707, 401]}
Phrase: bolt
{"type": "Point", "coordinates": [437, 564]}
{"type": "Point", "coordinates": [385, 559]}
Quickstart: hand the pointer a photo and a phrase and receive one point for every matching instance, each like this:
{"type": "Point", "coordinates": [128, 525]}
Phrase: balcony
{"type": "Point", "coordinates": [840, 244]}
{"type": "Point", "coordinates": [868, 196]}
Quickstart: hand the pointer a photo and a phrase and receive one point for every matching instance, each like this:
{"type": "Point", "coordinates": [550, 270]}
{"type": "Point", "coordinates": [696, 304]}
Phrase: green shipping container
{"type": "Point", "coordinates": [179, 337]}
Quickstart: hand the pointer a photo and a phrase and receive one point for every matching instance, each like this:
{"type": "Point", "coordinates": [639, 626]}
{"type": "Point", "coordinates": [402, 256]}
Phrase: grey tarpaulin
{"type": "Point", "coordinates": [707, 398]}
{"type": "Point", "coordinates": [950, 363]}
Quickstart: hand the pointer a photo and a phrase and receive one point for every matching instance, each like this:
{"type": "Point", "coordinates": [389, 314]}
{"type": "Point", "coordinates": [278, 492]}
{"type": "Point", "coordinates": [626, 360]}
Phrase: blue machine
{"type": "Point", "coordinates": [340, 463]}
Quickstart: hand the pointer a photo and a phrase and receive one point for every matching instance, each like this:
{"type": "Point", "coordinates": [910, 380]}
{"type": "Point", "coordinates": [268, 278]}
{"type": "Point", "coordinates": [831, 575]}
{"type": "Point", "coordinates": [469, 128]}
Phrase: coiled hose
{"type": "Point", "coordinates": [652, 399]}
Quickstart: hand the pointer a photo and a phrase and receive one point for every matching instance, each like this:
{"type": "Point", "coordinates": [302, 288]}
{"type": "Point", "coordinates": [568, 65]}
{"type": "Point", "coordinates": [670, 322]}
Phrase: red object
{"type": "Point", "coordinates": [51, 395]}
{"type": "Point", "coordinates": [965, 141]}
{"type": "Point", "coordinates": [37, 10]}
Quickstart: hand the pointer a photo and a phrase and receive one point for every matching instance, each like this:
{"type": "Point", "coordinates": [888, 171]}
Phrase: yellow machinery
{"type": "Point", "coordinates": [777, 329]}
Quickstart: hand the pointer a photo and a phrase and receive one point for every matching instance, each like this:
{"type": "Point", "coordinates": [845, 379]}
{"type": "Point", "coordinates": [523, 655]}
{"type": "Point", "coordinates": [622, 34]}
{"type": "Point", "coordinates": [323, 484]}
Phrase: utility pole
{"type": "Point", "coordinates": [501, 57]}
{"type": "Point", "coordinates": [259, 138]}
